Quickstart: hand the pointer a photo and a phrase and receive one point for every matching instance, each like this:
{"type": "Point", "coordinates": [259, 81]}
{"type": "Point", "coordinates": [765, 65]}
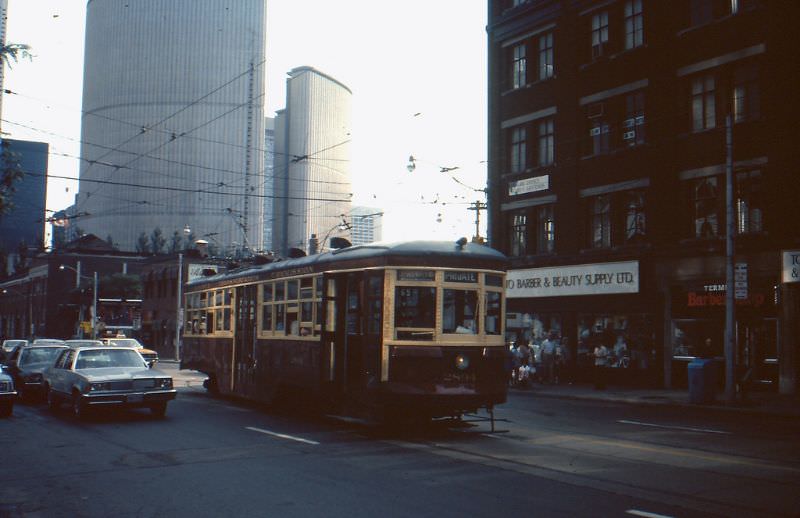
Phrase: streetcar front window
{"type": "Point", "coordinates": [460, 312]}
{"type": "Point", "coordinates": [415, 310]}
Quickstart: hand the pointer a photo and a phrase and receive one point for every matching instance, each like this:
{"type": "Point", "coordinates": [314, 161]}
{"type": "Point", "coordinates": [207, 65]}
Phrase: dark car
{"type": "Point", "coordinates": [28, 366]}
{"type": "Point", "coordinates": [102, 376]}
{"type": "Point", "coordinates": [7, 393]}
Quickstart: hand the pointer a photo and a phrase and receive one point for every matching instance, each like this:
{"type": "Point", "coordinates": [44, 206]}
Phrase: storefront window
{"type": "Point", "coordinates": [629, 338]}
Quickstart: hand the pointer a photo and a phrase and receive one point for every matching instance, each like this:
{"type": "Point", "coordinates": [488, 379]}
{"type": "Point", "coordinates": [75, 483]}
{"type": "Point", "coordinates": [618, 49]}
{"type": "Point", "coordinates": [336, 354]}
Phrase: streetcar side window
{"type": "Point", "coordinates": [494, 310]}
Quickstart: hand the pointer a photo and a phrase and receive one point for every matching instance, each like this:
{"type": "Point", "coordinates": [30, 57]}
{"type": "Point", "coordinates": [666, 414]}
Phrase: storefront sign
{"type": "Point", "coordinates": [580, 279]}
{"type": "Point", "coordinates": [791, 266]}
{"type": "Point", "coordinates": [740, 281]}
{"type": "Point", "coordinates": [527, 185]}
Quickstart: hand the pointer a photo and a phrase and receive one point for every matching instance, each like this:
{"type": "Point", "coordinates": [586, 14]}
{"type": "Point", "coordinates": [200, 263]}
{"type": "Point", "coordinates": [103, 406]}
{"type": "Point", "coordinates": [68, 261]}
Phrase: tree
{"type": "Point", "coordinates": [10, 169]}
{"type": "Point", "coordinates": [157, 241]}
{"type": "Point", "coordinates": [13, 51]}
{"type": "Point", "coordinates": [176, 242]}
{"type": "Point", "coordinates": [142, 244]}
{"type": "Point", "coordinates": [11, 173]}
{"type": "Point", "coordinates": [121, 286]}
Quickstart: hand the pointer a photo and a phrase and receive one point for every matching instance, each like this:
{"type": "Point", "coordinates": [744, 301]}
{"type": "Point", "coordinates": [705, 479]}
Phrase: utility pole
{"type": "Point", "coordinates": [477, 206]}
{"type": "Point", "coordinates": [730, 230]}
{"type": "Point", "coordinates": [179, 311]}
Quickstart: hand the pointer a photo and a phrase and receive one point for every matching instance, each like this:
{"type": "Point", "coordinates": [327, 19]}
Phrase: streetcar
{"type": "Point", "coordinates": [412, 329]}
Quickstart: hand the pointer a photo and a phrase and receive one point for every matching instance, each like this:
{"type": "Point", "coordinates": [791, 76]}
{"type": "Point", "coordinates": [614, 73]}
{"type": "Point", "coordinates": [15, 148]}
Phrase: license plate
{"type": "Point", "coordinates": [135, 398]}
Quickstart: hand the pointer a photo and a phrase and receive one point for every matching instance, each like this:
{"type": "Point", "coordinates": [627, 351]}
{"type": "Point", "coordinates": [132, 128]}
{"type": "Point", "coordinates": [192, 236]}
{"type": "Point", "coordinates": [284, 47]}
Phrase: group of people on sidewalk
{"type": "Point", "coordinates": [544, 362]}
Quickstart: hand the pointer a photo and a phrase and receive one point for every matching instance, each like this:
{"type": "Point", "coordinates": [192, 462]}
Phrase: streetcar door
{"type": "Point", "coordinates": [342, 350]}
{"type": "Point", "coordinates": [244, 342]}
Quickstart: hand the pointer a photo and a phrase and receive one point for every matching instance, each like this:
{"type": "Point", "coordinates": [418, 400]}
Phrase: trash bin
{"type": "Point", "coordinates": [701, 381]}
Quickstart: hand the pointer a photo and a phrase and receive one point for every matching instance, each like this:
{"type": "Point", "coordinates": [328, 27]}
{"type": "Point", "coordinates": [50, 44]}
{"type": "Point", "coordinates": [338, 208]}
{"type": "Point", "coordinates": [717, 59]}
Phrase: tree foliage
{"type": "Point", "coordinates": [11, 173]}
{"type": "Point", "coordinates": [157, 241]}
{"type": "Point", "coordinates": [142, 244]}
{"type": "Point", "coordinates": [121, 286]}
{"type": "Point", "coordinates": [10, 169]}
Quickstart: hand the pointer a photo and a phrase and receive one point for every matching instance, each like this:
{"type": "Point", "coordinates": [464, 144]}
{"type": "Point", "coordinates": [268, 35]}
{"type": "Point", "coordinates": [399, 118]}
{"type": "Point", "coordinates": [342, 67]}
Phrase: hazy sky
{"type": "Point", "coordinates": [417, 70]}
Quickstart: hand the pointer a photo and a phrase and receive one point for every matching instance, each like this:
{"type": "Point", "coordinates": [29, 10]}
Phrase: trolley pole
{"type": "Point", "coordinates": [179, 312]}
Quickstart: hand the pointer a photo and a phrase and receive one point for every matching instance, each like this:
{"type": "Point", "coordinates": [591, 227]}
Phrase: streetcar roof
{"type": "Point", "coordinates": [404, 253]}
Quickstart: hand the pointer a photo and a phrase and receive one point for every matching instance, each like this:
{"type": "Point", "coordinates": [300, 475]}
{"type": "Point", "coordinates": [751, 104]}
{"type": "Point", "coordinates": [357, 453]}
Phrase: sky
{"type": "Point", "coordinates": [417, 70]}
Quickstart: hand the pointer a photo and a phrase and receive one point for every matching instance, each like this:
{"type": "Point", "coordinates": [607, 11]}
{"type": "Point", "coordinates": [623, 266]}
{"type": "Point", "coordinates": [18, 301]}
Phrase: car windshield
{"type": "Point", "coordinates": [39, 355]}
{"type": "Point", "coordinates": [126, 342]}
{"type": "Point", "coordinates": [100, 358]}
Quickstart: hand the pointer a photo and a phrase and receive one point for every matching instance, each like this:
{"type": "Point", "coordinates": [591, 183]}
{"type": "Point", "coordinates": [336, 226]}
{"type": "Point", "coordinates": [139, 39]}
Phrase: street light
{"type": "Point", "coordinates": [94, 295]}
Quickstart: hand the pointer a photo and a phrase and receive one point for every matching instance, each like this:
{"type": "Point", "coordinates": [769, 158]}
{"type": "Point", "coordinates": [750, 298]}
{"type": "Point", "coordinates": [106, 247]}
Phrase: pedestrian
{"type": "Point", "coordinates": [600, 366]}
{"type": "Point", "coordinates": [562, 362]}
{"type": "Point", "coordinates": [525, 360]}
{"type": "Point", "coordinates": [549, 357]}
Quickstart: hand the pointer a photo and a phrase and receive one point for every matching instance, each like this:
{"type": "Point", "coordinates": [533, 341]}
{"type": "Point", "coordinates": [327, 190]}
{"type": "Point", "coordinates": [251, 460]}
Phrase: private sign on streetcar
{"type": "Point", "coordinates": [412, 329]}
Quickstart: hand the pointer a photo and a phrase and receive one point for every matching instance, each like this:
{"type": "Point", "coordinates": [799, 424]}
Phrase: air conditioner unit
{"type": "Point", "coordinates": [628, 123]}
{"type": "Point", "coordinates": [594, 131]}
{"type": "Point", "coordinates": [629, 135]}
{"type": "Point", "coordinates": [596, 110]}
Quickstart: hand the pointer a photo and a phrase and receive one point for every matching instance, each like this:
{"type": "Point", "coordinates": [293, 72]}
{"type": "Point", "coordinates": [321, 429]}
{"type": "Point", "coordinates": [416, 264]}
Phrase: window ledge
{"type": "Point", "coordinates": [527, 86]}
{"type": "Point", "coordinates": [610, 57]}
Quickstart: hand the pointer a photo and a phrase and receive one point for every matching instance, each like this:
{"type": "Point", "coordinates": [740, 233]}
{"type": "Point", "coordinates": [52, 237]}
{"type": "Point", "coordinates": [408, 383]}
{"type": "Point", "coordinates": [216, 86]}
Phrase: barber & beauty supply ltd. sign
{"type": "Point", "coordinates": [579, 279]}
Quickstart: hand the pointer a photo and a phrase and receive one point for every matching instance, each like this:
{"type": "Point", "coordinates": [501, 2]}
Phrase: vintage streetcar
{"type": "Point", "coordinates": [385, 331]}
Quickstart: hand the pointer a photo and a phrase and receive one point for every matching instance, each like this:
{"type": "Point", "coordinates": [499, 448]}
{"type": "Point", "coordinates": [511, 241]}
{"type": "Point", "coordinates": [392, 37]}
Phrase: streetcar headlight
{"type": "Point", "coordinates": [462, 362]}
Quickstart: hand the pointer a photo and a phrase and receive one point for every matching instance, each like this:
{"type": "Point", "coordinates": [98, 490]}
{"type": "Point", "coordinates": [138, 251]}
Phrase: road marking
{"type": "Point", "coordinates": [686, 428]}
{"type": "Point", "coordinates": [281, 435]}
{"type": "Point", "coordinates": [637, 512]}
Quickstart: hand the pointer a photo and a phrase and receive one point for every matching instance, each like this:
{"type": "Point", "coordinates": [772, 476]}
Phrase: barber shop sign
{"type": "Point", "coordinates": [579, 279]}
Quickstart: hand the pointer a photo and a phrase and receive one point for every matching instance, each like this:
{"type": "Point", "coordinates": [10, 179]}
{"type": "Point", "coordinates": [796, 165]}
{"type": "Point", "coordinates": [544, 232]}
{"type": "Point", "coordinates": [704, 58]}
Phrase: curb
{"type": "Point", "coordinates": [754, 410]}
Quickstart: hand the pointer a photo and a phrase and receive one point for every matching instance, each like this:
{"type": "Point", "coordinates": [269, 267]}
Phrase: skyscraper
{"type": "Point", "coordinates": [312, 167]}
{"type": "Point", "coordinates": [367, 225]}
{"type": "Point", "coordinates": [173, 121]}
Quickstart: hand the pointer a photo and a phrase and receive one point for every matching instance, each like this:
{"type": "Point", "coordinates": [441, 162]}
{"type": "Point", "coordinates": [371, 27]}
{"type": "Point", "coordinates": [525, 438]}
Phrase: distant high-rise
{"type": "Point", "coordinates": [267, 182]}
{"type": "Point", "coordinates": [173, 121]}
{"type": "Point", "coordinates": [367, 225]}
{"type": "Point", "coordinates": [25, 223]}
{"type": "Point", "coordinates": [312, 161]}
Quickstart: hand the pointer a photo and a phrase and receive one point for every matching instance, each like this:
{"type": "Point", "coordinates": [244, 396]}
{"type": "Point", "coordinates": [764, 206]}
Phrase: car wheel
{"type": "Point", "coordinates": [6, 408]}
{"type": "Point", "coordinates": [159, 409]}
{"type": "Point", "coordinates": [52, 400]}
{"type": "Point", "coordinates": [79, 408]}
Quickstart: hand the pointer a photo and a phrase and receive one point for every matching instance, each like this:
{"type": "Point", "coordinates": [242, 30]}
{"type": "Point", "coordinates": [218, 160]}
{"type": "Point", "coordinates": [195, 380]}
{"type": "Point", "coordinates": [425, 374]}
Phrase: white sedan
{"type": "Point", "coordinates": [91, 377]}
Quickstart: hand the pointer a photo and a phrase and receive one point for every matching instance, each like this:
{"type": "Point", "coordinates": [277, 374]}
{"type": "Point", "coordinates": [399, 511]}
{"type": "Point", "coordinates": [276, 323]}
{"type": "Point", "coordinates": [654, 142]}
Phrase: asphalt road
{"type": "Point", "coordinates": [219, 457]}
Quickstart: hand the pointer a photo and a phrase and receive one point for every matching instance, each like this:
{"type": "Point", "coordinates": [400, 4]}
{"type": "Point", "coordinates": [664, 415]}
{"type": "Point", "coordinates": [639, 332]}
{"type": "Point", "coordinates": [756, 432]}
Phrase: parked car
{"type": "Point", "coordinates": [83, 343]}
{"type": "Point", "coordinates": [88, 377]}
{"type": "Point", "coordinates": [47, 341]}
{"type": "Point", "coordinates": [7, 393]}
{"type": "Point", "coordinates": [28, 366]}
{"type": "Point", "coordinates": [10, 345]}
{"type": "Point", "coordinates": [148, 354]}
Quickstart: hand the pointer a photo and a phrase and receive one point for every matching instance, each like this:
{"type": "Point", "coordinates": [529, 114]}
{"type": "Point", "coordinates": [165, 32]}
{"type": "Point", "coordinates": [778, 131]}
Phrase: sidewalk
{"type": "Point", "coordinates": [759, 403]}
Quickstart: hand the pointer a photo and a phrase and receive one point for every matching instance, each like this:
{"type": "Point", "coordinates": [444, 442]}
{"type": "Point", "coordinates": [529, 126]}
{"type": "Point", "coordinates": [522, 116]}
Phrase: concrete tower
{"type": "Point", "coordinates": [312, 161]}
{"type": "Point", "coordinates": [173, 123]}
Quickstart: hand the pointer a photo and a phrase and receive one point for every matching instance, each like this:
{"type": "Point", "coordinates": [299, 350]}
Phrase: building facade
{"type": "Point", "coordinates": [312, 183]}
{"type": "Point", "coordinates": [173, 121]}
{"type": "Point", "coordinates": [609, 150]}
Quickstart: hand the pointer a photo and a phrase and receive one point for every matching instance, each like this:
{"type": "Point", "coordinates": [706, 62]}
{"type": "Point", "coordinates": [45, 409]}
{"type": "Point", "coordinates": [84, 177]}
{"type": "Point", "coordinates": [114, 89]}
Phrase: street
{"type": "Point", "coordinates": [549, 457]}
